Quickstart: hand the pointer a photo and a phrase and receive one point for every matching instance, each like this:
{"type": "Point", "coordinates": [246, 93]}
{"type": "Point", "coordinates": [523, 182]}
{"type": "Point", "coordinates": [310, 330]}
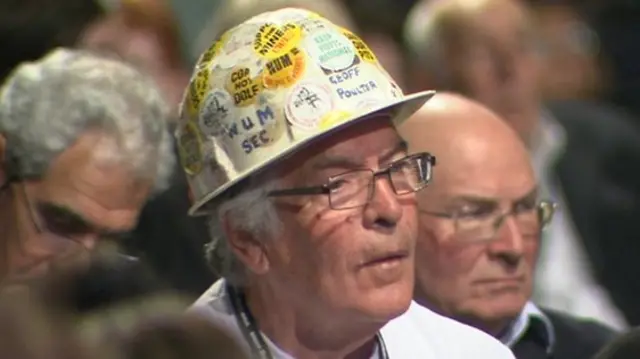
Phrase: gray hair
{"type": "Point", "coordinates": [251, 211]}
{"type": "Point", "coordinates": [46, 105]}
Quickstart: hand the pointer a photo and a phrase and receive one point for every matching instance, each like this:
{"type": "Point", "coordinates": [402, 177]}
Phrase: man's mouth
{"type": "Point", "coordinates": [388, 259]}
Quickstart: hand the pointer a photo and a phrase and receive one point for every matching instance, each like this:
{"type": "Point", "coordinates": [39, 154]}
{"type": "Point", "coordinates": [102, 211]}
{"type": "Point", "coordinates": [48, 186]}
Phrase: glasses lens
{"type": "Point", "coordinates": [351, 189]}
{"type": "Point", "coordinates": [410, 174]}
{"type": "Point", "coordinates": [546, 210]}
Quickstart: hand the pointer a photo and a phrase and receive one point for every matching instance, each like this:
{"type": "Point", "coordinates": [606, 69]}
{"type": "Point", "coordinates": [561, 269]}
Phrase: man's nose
{"type": "Point", "coordinates": [384, 210]}
{"type": "Point", "coordinates": [508, 245]}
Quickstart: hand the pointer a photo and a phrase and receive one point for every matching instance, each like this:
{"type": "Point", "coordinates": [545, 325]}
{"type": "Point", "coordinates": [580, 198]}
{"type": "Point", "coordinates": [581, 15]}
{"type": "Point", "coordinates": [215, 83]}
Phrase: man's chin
{"type": "Point", "coordinates": [385, 304]}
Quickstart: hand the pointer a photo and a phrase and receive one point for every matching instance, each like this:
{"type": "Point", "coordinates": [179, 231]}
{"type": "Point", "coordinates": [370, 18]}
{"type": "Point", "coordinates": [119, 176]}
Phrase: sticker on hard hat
{"type": "Point", "coordinates": [350, 83]}
{"type": "Point", "coordinates": [364, 52]}
{"type": "Point", "coordinates": [285, 70]}
{"type": "Point", "coordinates": [331, 50]}
{"type": "Point", "coordinates": [306, 104]}
{"type": "Point", "coordinates": [190, 148]}
{"type": "Point", "coordinates": [213, 50]}
{"type": "Point", "coordinates": [215, 111]}
{"type": "Point", "coordinates": [244, 88]}
{"type": "Point", "coordinates": [333, 118]}
{"type": "Point", "coordinates": [255, 128]}
{"type": "Point", "coordinates": [198, 87]}
{"type": "Point", "coordinates": [273, 41]}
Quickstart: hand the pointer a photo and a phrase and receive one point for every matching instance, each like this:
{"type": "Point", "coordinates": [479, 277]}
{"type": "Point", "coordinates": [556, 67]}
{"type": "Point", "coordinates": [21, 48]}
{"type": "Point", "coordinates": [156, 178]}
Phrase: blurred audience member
{"type": "Point", "coordinates": [616, 22]}
{"type": "Point", "coordinates": [233, 12]}
{"type": "Point", "coordinates": [479, 227]}
{"type": "Point", "coordinates": [585, 156]}
{"type": "Point", "coordinates": [570, 54]}
{"type": "Point", "coordinates": [626, 346]}
{"type": "Point", "coordinates": [389, 53]}
{"type": "Point", "coordinates": [144, 33]}
{"type": "Point", "coordinates": [155, 327]}
{"type": "Point", "coordinates": [109, 310]}
{"type": "Point", "coordinates": [173, 245]}
{"type": "Point", "coordinates": [29, 29]}
{"type": "Point", "coordinates": [380, 24]}
{"type": "Point", "coordinates": [29, 331]}
{"type": "Point", "coordinates": [83, 144]}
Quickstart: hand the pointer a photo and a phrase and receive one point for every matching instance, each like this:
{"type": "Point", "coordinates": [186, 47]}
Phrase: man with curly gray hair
{"type": "Point", "coordinates": [83, 144]}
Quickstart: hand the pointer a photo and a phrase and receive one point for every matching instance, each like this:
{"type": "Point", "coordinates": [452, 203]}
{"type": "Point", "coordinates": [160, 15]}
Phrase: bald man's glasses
{"type": "Point", "coordinates": [483, 225]}
{"type": "Point", "coordinates": [356, 188]}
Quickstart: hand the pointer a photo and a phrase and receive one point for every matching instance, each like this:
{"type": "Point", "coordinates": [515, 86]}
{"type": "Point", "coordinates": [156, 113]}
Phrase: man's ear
{"type": "Point", "coordinates": [249, 250]}
{"type": "Point", "coordinates": [3, 161]}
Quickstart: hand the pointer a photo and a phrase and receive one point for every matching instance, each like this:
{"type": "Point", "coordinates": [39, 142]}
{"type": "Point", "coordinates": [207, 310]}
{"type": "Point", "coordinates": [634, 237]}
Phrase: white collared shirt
{"type": "Point", "coordinates": [521, 325]}
{"type": "Point", "coordinates": [563, 278]}
{"type": "Point", "coordinates": [417, 334]}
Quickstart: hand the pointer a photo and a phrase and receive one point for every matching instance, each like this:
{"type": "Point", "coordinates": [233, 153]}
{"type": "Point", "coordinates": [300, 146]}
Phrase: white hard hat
{"type": "Point", "coordinates": [270, 86]}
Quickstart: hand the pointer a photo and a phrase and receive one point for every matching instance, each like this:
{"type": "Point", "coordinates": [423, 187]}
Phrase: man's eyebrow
{"type": "Point", "coordinates": [531, 195]}
{"type": "Point", "coordinates": [483, 200]}
{"type": "Point", "coordinates": [339, 161]}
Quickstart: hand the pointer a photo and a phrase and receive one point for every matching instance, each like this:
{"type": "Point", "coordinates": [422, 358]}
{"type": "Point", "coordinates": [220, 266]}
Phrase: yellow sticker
{"type": "Point", "coordinates": [364, 52]}
{"type": "Point", "coordinates": [284, 71]}
{"type": "Point", "coordinates": [272, 41]}
{"type": "Point", "coordinates": [243, 88]}
{"type": "Point", "coordinates": [333, 118]}
{"type": "Point", "coordinates": [213, 50]}
{"type": "Point", "coordinates": [198, 88]}
{"type": "Point", "coordinates": [190, 148]}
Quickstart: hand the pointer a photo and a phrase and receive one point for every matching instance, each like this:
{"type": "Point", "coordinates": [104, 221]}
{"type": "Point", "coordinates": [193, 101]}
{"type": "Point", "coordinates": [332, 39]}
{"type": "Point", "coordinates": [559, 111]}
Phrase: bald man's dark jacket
{"type": "Point", "coordinates": [599, 173]}
{"type": "Point", "coordinates": [568, 337]}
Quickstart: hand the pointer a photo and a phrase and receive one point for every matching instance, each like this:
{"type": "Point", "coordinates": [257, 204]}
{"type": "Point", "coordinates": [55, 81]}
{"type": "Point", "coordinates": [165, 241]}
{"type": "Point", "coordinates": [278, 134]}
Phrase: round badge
{"type": "Point", "coordinates": [331, 50]}
{"type": "Point", "coordinates": [215, 113]}
{"type": "Point", "coordinates": [272, 41]}
{"type": "Point", "coordinates": [306, 104]}
{"type": "Point", "coordinates": [198, 87]}
{"type": "Point", "coordinates": [284, 71]}
{"type": "Point", "coordinates": [364, 52]}
{"type": "Point", "coordinates": [244, 88]}
{"type": "Point", "coordinates": [190, 148]}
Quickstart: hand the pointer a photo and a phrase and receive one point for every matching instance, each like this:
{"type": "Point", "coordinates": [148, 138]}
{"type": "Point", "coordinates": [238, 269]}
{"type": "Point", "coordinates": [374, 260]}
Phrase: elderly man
{"type": "Point", "coordinates": [479, 227]}
{"type": "Point", "coordinates": [288, 142]}
{"type": "Point", "coordinates": [586, 156]}
{"type": "Point", "coordinates": [83, 144]}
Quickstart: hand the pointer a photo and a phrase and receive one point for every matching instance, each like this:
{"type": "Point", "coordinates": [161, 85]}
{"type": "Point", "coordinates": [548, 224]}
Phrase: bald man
{"type": "Point", "coordinates": [479, 228]}
{"type": "Point", "coordinates": [586, 156]}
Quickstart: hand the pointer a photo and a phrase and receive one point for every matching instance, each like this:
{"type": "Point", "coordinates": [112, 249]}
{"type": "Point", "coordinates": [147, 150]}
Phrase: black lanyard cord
{"type": "Point", "coordinates": [247, 324]}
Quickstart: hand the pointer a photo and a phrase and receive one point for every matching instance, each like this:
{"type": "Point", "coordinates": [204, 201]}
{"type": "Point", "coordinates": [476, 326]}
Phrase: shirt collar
{"type": "Point", "coordinates": [531, 318]}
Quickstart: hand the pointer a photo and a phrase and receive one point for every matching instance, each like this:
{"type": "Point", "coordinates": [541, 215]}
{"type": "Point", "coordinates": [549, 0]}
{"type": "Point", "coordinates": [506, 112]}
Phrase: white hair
{"type": "Point", "coordinates": [45, 106]}
{"type": "Point", "coordinates": [251, 211]}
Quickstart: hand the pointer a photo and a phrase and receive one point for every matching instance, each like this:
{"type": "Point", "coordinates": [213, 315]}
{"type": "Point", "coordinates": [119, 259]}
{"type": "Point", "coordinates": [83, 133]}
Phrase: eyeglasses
{"type": "Point", "coordinates": [356, 188]}
{"type": "Point", "coordinates": [483, 226]}
{"type": "Point", "coordinates": [59, 241]}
